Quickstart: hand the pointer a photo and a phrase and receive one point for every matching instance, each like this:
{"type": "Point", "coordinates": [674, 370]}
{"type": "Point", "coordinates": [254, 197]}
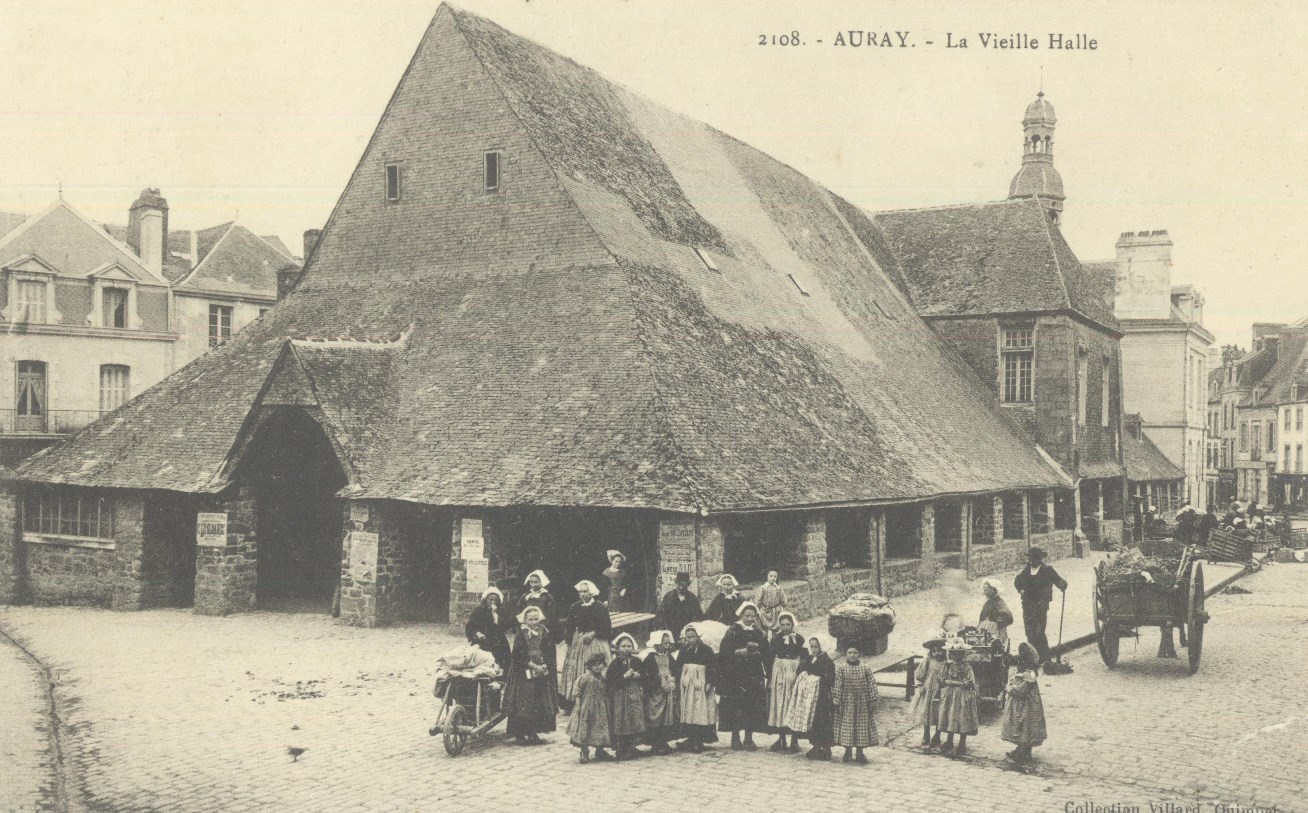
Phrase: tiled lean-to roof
{"type": "Point", "coordinates": [1144, 461]}
{"type": "Point", "coordinates": [562, 342]}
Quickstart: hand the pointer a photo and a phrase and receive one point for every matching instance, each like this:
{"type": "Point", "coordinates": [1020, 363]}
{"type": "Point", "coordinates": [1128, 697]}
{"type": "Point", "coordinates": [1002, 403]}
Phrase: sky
{"type": "Point", "coordinates": [1188, 117]}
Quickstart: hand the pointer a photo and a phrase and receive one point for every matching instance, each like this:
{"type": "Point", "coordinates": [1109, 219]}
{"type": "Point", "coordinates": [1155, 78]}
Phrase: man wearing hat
{"type": "Point", "coordinates": [680, 606]}
{"type": "Point", "coordinates": [1035, 584]}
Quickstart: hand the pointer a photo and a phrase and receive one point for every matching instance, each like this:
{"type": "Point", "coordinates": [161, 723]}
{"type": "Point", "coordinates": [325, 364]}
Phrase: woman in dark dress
{"type": "Point", "coordinates": [820, 718]}
{"type": "Point", "coordinates": [724, 606]}
{"type": "Point", "coordinates": [614, 580]}
{"type": "Point", "coordinates": [745, 659]}
{"type": "Point", "coordinates": [587, 631]}
{"type": "Point", "coordinates": [532, 686]}
{"type": "Point", "coordinates": [488, 625]}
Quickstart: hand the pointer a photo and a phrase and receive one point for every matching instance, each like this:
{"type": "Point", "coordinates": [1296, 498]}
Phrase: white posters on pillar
{"type": "Point", "coordinates": [473, 548]}
{"type": "Point", "coordinates": [358, 513]}
{"type": "Point", "coordinates": [211, 530]}
{"type": "Point", "coordinates": [478, 575]}
{"type": "Point", "coordinates": [363, 556]}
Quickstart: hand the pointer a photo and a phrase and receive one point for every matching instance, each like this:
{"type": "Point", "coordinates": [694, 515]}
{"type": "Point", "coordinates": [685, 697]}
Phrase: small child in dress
{"type": "Point", "coordinates": [958, 698]}
{"type": "Point", "coordinates": [1024, 713]}
{"type": "Point", "coordinates": [626, 698]}
{"type": "Point", "coordinates": [771, 600]}
{"type": "Point", "coordinates": [855, 698]}
{"type": "Point", "coordinates": [787, 651]}
{"type": "Point", "coordinates": [926, 704]}
{"type": "Point", "coordinates": [589, 724]}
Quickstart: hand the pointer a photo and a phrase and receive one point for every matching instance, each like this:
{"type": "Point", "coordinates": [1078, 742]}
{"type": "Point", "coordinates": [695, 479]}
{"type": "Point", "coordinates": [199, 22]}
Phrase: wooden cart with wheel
{"type": "Point", "coordinates": [1121, 609]}
{"type": "Point", "coordinates": [469, 707]}
{"type": "Point", "coordinates": [989, 659]}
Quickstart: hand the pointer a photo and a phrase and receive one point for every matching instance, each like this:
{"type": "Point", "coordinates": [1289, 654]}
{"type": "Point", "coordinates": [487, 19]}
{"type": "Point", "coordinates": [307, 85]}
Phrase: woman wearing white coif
{"type": "Point", "coordinates": [587, 631]}
{"type": "Point", "coordinates": [614, 579]}
{"type": "Point", "coordinates": [536, 596]}
{"type": "Point", "coordinates": [725, 605]}
{"type": "Point", "coordinates": [995, 615]}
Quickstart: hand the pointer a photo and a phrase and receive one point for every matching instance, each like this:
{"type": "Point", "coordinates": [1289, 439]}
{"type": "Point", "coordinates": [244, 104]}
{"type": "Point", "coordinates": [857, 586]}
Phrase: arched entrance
{"type": "Point", "coordinates": [294, 474]}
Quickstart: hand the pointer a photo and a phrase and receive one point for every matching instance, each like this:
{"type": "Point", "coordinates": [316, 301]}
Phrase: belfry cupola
{"type": "Point", "coordinates": [1038, 178]}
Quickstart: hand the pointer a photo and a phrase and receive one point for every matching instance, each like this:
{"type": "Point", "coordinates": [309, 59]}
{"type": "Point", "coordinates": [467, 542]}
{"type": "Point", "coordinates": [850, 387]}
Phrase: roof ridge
{"type": "Point", "coordinates": [1058, 267]}
{"type": "Point", "coordinates": [185, 278]}
{"type": "Point", "coordinates": [874, 213]}
{"type": "Point", "coordinates": [659, 409]}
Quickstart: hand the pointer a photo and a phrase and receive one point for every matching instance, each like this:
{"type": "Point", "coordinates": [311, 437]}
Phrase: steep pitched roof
{"type": "Point", "coordinates": [979, 259]}
{"type": "Point", "coordinates": [10, 221]}
{"type": "Point", "coordinates": [569, 346]}
{"type": "Point", "coordinates": [1289, 370]}
{"type": "Point", "coordinates": [1144, 461]}
{"type": "Point", "coordinates": [80, 245]}
{"type": "Point", "coordinates": [234, 260]}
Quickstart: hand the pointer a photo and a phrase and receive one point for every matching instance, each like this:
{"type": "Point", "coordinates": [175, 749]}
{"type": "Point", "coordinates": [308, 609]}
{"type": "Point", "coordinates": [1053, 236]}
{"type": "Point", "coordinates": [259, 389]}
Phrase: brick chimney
{"type": "Point", "coordinates": [1144, 275]}
{"type": "Point", "coordinates": [147, 229]}
{"type": "Point", "coordinates": [311, 238]}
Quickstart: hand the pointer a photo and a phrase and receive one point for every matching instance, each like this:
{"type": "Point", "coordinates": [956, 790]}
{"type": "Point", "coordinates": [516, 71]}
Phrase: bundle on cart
{"type": "Point", "coordinates": [865, 620]}
{"type": "Point", "coordinates": [1133, 569]}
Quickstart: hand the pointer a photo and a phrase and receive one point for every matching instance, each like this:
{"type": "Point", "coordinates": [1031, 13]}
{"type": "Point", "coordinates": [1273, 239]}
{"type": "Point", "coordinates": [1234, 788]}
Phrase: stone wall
{"type": "Point", "coordinates": [226, 576]}
{"type": "Point", "coordinates": [502, 565]}
{"type": "Point", "coordinates": [13, 567]}
{"type": "Point", "coordinates": [80, 573]}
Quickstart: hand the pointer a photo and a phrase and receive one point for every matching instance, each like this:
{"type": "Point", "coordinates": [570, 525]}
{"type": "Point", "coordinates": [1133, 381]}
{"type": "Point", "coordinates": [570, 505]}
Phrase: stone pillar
{"type": "Point", "coordinates": [1099, 510]}
{"type": "Point", "coordinates": [1049, 510]}
{"type": "Point", "coordinates": [475, 528]}
{"type": "Point", "coordinates": [226, 566]}
{"type": "Point", "coordinates": [1026, 517]}
{"type": "Point", "coordinates": [997, 506]}
{"type": "Point", "coordinates": [13, 570]}
{"type": "Point", "coordinates": [876, 539]}
{"type": "Point", "coordinates": [812, 559]}
{"type": "Point", "coordinates": [1078, 532]}
{"type": "Point", "coordinates": [965, 535]}
{"type": "Point", "coordinates": [927, 532]}
{"type": "Point", "coordinates": [368, 553]}
{"type": "Point", "coordinates": [678, 551]}
{"type": "Point", "coordinates": [129, 545]}
{"type": "Point", "coordinates": [711, 551]}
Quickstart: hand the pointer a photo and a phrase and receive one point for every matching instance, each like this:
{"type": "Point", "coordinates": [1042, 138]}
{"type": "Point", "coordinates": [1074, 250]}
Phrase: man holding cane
{"type": "Point", "coordinates": [1035, 584]}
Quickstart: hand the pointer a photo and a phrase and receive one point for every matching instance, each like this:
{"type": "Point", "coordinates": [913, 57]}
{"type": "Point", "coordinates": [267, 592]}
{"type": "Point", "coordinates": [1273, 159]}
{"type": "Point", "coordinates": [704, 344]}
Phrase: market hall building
{"type": "Point", "coordinates": [547, 318]}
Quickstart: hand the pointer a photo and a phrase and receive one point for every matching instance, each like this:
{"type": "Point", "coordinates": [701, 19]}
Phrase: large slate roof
{"type": "Point", "coordinates": [577, 351]}
{"type": "Point", "coordinates": [234, 260]}
{"type": "Point", "coordinates": [990, 258]}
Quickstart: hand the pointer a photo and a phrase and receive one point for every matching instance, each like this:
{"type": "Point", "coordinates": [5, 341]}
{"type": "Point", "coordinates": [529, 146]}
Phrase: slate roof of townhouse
{"type": "Point", "coordinates": [990, 258]}
{"type": "Point", "coordinates": [1144, 461]}
{"type": "Point", "coordinates": [234, 260]}
{"type": "Point", "coordinates": [568, 345]}
{"type": "Point", "coordinates": [1277, 385]}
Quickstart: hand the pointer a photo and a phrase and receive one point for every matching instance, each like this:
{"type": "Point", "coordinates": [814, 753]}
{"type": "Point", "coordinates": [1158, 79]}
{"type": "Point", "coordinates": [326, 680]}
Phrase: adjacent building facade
{"type": "Point", "coordinates": [1164, 351]}
{"type": "Point", "coordinates": [584, 323]}
{"type": "Point", "coordinates": [92, 315]}
{"type": "Point", "coordinates": [999, 283]}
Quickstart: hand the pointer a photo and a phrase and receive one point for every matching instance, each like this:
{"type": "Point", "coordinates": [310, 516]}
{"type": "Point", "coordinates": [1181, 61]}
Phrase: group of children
{"type": "Point", "coordinates": [947, 700]}
{"type": "Point", "coordinates": [758, 681]}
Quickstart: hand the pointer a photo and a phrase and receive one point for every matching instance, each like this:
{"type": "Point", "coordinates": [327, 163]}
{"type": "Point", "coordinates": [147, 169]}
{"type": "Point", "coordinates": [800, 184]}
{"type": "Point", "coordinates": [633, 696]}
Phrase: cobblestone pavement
{"type": "Point", "coordinates": [175, 712]}
{"type": "Point", "coordinates": [27, 765]}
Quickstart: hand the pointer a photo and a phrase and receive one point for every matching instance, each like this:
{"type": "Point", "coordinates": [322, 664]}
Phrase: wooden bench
{"type": "Point", "coordinates": [637, 625]}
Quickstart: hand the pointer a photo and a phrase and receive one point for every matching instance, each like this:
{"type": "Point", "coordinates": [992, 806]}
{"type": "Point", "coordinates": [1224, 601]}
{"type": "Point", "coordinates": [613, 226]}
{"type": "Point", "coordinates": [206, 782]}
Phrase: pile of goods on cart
{"type": "Point", "coordinates": [1133, 590]}
{"type": "Point", "coordinates": [989, 659]}
{"type": "Point", "coordinates": [864, 620]}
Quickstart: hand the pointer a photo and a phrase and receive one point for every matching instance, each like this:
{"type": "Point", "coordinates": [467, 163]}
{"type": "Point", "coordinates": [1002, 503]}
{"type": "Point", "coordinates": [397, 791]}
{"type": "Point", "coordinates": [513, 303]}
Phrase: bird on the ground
{"type": "Point", "coordinates": [295, 752]}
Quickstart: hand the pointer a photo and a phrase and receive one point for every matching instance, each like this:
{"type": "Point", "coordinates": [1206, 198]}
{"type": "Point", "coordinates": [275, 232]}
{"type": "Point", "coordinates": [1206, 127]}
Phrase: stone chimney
{"type": "Point", "coordinates": [147, 229]}
{"type": "Point", "coordinates": [1144, 275]}
{"type": "Point", "coordinates": [288, 276]}
{"type": "Point", "coordinates": [1231, 354]}
{"type": "Point", "coordinates": [311, 238]}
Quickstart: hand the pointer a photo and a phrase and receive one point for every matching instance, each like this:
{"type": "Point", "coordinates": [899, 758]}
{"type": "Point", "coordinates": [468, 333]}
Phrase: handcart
{"type": "Point", "coordinates": [469, 707]}
{"type": "Point", "coordinates": [989, 658]}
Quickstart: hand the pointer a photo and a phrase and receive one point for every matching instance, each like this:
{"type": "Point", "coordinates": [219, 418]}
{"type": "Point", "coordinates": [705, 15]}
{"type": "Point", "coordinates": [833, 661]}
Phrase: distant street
{"type": "Point", "coordinates": [193, 713]}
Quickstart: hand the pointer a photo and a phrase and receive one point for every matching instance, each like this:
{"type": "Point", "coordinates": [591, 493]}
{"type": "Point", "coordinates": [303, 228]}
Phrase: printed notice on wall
{"type": "Point", "coordinates": [363, 555]}
{"type": "Point", "coordinates": [478, 575]}
{"type": "Point", "coordinates": [358, 513]}
{"type": "Point", "coordinates": [668, 574]}
{"type": "Point", "coordinates": [470, 529]}
{"type": "Point", "coordinates": [211, 530]}
{"type": "Point", "coordinates": [474, 548]}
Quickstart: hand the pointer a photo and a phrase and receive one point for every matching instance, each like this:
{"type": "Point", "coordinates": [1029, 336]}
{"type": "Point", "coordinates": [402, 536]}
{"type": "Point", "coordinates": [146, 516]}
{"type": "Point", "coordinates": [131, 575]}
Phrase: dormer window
{"type": "Point", "coordinates": [114, 304]}
{"type": "Point", "coordinates": [491, 171]}
{"type": "Point", "coordinates": [392, 183]}
{"type": "Point", "coordinates": [31, 301]}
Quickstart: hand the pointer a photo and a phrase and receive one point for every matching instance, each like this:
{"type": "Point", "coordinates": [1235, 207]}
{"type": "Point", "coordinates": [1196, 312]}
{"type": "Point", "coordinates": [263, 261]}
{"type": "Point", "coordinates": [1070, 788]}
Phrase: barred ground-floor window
{"type": "Point", "coordinates": [64, 511]}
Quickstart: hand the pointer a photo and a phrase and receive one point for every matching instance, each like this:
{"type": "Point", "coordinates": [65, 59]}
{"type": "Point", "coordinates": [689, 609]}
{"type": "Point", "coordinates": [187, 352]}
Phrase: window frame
{"type": "Point", "coordinates": [387, 194]}
{"type": "Point", "coordinates": [216, 335]}
{"type": "Point", "coordinates": [1017, 342]}
{"type": "Point", "coordinates": [44, 518]}
{"type": "Point", "coordinates": [24, 304]}
{"type": "Point", "coordinates": [109, 294]}
{"type": "Point", "coordinates": [488, 158]}
{"type": "Point", "coordinates": [122, 389]}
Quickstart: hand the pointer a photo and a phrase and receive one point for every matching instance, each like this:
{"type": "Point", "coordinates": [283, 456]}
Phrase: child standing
{"type": "Point", "coordinates": [787, 648]}
{"type": "Point", "coordinates": [697, 664]}
{"type": "Point", "coordinates": [589, 724]}
{"type": "Point", "coordinates": [926, 705]}
{"type": "Point", "coordinates": [660, 673]}
{"type": "Point", "coordinates": [1024, 713]}
{"type": "Point", "coordinates": [626, 698]}
{"type": "Point", "coordinates": [958, 697]}
{"type": "Point", "coordinates": [855, 698]}
{"type": "Point", "coordinates": [771, 601]}
{"type": "Point", "coordinates": [811, 711]}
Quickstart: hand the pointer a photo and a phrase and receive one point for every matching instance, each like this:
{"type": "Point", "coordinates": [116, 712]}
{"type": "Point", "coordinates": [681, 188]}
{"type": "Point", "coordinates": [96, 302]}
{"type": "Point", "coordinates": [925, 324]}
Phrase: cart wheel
{"type": "Point", "coordinates": [1197, 617]}
{"type": "Point", "coordinates": [456, 735]}
{"type": "Point", "coordinates": [1105, 634]}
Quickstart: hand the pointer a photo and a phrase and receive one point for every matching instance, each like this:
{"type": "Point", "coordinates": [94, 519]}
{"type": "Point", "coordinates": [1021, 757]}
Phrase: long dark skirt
{"type": "Point", "coordinates": [532, 705]}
